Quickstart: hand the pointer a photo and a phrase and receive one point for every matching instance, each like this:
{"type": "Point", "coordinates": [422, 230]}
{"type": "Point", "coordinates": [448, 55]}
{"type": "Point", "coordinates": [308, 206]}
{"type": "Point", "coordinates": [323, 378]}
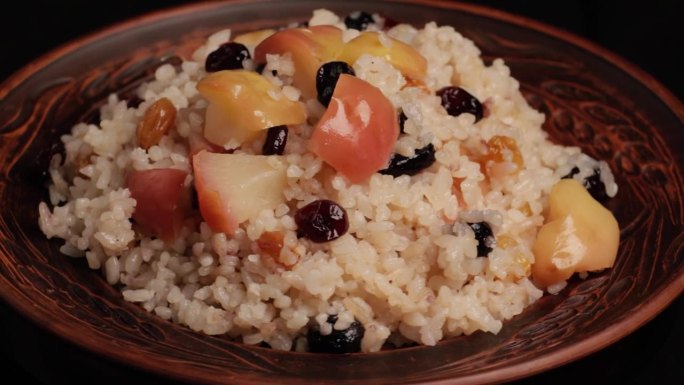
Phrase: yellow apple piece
{"type": "Point", "coordinates": [242, 103]}
{"type": "Point", "coordinates": [309, 49]}
{"type": "Point", "coordinates": [254, 38]}
{"type": "Point", "coordinates": [401, 55]}
{"type": "Point", "coordinates": [232, 188]}
{"type": "Point", "coordinates": [580, 235]}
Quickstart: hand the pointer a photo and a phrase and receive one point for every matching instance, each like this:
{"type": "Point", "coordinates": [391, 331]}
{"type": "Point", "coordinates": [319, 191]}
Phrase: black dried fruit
{"type": "Point", "coordinates": [359, 20]}
{"type": "Point", "coordinates": [338, 341]}
{"type": "Point", "coordinates": [457, 101]}
{"type": "Point", "coordinates": [134, 101]}
{"type": "Point", "coordinates": [595, 185]}
{"type": "Point", "coordinates": [321, 221]}
{"type": "Point", "coordinates": [575, 170]}
{"type": "Point", "coordinates": [401, 165]}
{"type": "Point", "coordinates": [275, 142]}
{"type": "Point", "coordinates": [402, 120]}
{"type": "Point", "coordinates": [326, 79]}
{"type": "Point", "coordinates": [484, 237]}
{"type": "Point", "coordinates": [228, 56]}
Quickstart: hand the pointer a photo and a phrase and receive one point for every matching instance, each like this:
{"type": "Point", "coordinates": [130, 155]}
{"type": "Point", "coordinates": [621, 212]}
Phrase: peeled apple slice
{"type": "Point", "coordinates": [579, 235]}
{"type": "Point", "coordinates": [243, 103]}
{"type": "Point", "coordinates": [401, 55]}
{"type": "Point", "coordinates": [232, 188]}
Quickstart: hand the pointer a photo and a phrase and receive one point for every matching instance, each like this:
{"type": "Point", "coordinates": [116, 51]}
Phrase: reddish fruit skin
{"type": "Point", "coordinates": [162, 200]}
{"type": "Point", "coordinates": [357, 133]}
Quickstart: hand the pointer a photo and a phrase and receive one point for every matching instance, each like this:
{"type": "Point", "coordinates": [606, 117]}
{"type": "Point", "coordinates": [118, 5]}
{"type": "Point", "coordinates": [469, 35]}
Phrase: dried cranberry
{"type": "Point", "coordinates": [134, 101]}
{"type": "Point", "coordinates": [401, 165]}
{"type": "Point", "coordinates": [456, 101]}
{"type": "Point", "coordinates": [338, 341]}
{"type": "Point", "coordinates": [229, 56]}
{"type": "Point", "coordinates": [321, 221]}
{"type": "Point", "coordinates": [402, 120]}
{"type": "Point", "coordinates": [359, 20]}
{"type": "Point", "coordinates": [390, 23]}
{"type": "Point", "coordinates": [483, 236]}
{"type": "Point", "coordinates": [275, 142]}
{"type": "Point", "coordinates": [595, 186]}
{"type": "Point", "coordinates": [575, 170]}
{"type": "Point", "coordinates": [326, 79]}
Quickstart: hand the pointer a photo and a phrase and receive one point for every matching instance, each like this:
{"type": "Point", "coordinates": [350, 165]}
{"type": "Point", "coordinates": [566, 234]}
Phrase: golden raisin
{"type": "Point", "coordinates": [270, 243]}
{"type": "Point", "coordinates": [505, 241]}
{"type": "Point", "coordinates": [410, 82]}
{"type": "Point", "coordinates": [159, 119]}
{"type": "Point", "coordinates": [502, 156]}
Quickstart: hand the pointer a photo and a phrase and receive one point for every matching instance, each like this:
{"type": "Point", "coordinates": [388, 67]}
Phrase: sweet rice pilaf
{"type": "Point", "coordinates": [407, 270]}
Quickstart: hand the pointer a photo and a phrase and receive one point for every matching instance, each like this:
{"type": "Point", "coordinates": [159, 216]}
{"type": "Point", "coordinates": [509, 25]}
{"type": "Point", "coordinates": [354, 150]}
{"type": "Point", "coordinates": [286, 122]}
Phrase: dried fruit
{"type": "Point", "coordinates": [502, 157]}
{"type": "Point", "coordinates": [159, 119]}
{"type": "Point", "coordinates": [275, 142]}
{"type": "Point", "coordinates": [326, 79]}
{"type": "Point", "coordinates": [271, 242]}
{"type": "Point", "coordinates": [338, 341]}
{"type": "Point", "coordinates": [358, 20]}
{"type": "Point", "coordinates": [457, 101]}
{"type": "Point", "coordinates": [484, 238]}
{"type": "Point", "coordinates": [401, 165]}
{"type": "Point", "coordinates": [228, 56]}
{"type": "Point", "coordinates": [322, 221]}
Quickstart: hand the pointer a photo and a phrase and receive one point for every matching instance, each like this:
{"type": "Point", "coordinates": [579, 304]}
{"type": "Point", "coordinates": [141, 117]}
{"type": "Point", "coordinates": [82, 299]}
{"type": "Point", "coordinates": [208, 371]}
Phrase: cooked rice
{"type": "Point", "coordinates": [407, 269]}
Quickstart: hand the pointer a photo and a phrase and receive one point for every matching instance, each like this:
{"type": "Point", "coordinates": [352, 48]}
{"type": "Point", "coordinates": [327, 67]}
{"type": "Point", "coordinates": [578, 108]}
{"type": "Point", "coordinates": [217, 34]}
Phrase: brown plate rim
{"type": "Point", "coordinates": [629, 323]}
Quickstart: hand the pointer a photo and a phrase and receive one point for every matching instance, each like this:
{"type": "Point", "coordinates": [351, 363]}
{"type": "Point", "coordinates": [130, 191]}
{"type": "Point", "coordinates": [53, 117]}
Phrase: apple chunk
{"type": "Point", "coordinates": [357, 133]}
{"type": "Point", "coordinates": [232, 188]}
{"type": "Point", "coordinates": [243, 103]}
{"type": "Point", "coordinates": [401, 55]}
{"type": "Point", "coordinates": [309, 48]}
{"type": "Point", "coordinates": [580, 235]}
{"type": "Point", "coordinates": [162, 200]}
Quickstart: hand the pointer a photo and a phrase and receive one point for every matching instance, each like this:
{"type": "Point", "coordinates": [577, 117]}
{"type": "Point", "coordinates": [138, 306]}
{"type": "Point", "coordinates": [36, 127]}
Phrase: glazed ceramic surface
{"type": "Point", "coordinates": [591, 99]}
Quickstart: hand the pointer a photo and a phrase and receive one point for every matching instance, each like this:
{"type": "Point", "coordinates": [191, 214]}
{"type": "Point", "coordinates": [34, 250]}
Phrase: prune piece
{"type": "Point", "coordinates": [457, 101]}
{"type": "Point", "coordinates": [326, 79]}
{"type": "Point", "coordinates": [321, 221]}
{"type": "Point", "coordinates": [483, 236]}
{"type": "Point", "coordinates": [338, 341]}
{"type": "Point", "coordinates": [401, 165]}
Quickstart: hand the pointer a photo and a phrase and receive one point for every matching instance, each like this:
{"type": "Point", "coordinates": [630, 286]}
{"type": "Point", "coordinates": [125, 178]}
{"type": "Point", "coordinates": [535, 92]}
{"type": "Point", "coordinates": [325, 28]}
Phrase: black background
{"type": "Point", "coordinates": [647, 33]}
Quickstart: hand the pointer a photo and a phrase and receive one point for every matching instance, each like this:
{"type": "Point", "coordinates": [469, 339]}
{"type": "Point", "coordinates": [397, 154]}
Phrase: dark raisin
{"type": "Point", "coordinates": [456, 101]}
{"type": "Point", "coordinates": [402, 120]}
{"type": "Point", "coordinates": [572, 173]}
{"type": "Point", "coordinates": [228, 56]}
{"type": "Point", "coordinates": [483, 236]}
{"type": "Point", "coordinates": [321, 221]}
{"type": "Point", "coordinates": [359, 20]}
{"type": "Point", "coordinates": [595, 186]}
{"type": "Point", "coordinates": [338, 341]}
{"type": "Point", "coordinates": [260, 67]}
{"type": "Point", "coordinates": [389, 23]}
{"type": "Point", "coordinates": [326, 79]}
{"type": "Point", "coordinates": [275, 142]}
{"type": "Point", "coordinates": [134, 101]}
{"type": "Point", "coordinates": [401, 165]}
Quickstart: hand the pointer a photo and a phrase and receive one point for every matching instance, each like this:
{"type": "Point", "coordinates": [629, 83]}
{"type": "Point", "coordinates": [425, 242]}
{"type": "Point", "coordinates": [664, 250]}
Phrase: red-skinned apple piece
{"type": "Point", "coordinates": [232, 188]}
{"type": "Point", "coordinates": [357, 133]}
{"type": "Point", "coordinates": [162, 200]}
